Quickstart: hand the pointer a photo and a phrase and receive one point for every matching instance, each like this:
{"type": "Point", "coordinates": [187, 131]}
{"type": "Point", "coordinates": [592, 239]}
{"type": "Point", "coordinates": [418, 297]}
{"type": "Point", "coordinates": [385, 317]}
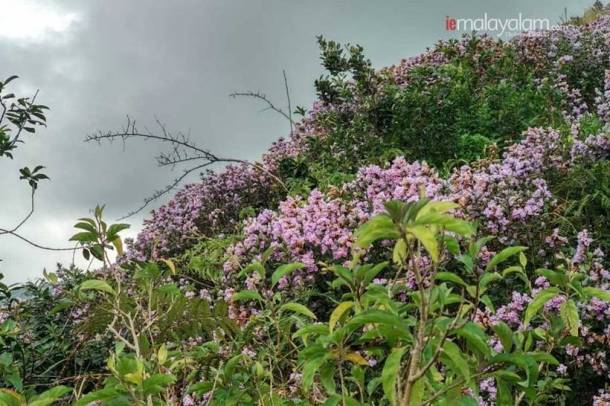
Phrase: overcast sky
{"type": "Point", "coordinates": [97, 61]}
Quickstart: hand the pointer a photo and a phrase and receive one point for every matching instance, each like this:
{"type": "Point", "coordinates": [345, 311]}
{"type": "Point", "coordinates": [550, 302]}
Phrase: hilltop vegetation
{"type": "Point", "coordinates": [432, 233]}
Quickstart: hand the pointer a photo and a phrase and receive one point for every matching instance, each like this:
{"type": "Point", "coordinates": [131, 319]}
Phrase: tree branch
{"type": "Point", "coordinates": [182, 150]}
{"type": "Point", "coordinates": [26, 218]}
{"type": "Point", "coordinates": [42, 247]}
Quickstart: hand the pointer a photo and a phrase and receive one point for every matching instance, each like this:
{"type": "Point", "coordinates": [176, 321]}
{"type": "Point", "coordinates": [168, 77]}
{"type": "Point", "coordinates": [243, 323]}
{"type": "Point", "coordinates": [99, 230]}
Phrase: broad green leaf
{"type": "Point", "coordinates": [86, 226]}
{"type": "Point", "coordinates": [170, 265]}
{"type": "Point", "coordinates": [84, 237]}
{"type": "Point", "coordinates": [317, 329]}
{"type": "Point", "coordinates": [544, 357]}
{"type": "Point", "coordinates": [285, 270]}
{"type": "Point", "coordinates": [569, 315]}
{"type": "Point", "coordinates": [97, 284]}
{"type": "Point", "coordinates": [453, 352]}
{"type": "Point", "coordinates": [475, 338]}
{"type": "Point", "coordinates": [11, 398]}
{"type": "Point", "coordinates": [523, 361]}
{"type": "Point", "coordinates": [109, 393]}
{"type": "Point", "coordinates": [519, 271]}
{"type": "Point", "coordinates": [114, 229]}
{"type": "Point", "coordinates": [504, 394]}
{"type": "Point", "coordinates": [505, 334]}
{"type": "Point", "coordinates": [503, 255]}
{"type": "Point", "coordinates": [379, 227]}
{"type": "Point", "coordinates": [399, 253]}
{"type": "Point", "coordinates": [417, 393]}
{"type": "Point", "coordinates": [598, 293]}
{"type": "Point", "coordinates": [118, 245]}
{"type": "Point", "coordinates": [356, 358]}
{"type": "Point", "coordinates": [556, 278]}
{"type": "Point", "coordinates": [538, 302]}
{"type": "Point", "coordinates": [298, 308]}
{"type": "Point", "coordinates": [450, 277]}
{"type": "Point", "coordinates": [339, 311]}
{"type": "Point", "coordinates": [157, 383]}
{"type": "Point", "coordinates": [390, 371]}
{"type": "Point", "coordinates": [436, 206]}
{"type": "Point", "coordinates": [162, 354]}
{"type": "Point", "coordinates": [428, 239]}
{"type": "Point", "coordinates": [246, 295]}
{"type": "Point", "coordinates": [489, 277]}
{"type": "Point", "coordinates": [310, 368]}
{"type": "Point", "coordinates": [50, 396]}
{"type": "Point", "coordinates": [447, 222]}
{"type": "Point", "coordinates": [375, 316]}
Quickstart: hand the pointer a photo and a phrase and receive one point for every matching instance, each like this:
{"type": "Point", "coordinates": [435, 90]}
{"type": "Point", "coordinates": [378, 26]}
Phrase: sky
{"type": "Point", "coordinates": [97, 61]}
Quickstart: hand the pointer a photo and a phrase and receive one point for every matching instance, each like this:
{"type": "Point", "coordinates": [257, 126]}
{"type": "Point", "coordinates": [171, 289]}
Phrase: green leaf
{"type": "Point", "coordinates": [109, 393]}
{"type": "Point", "coordinates": [544, 357]}
{"type": "Point", "coordinates": [86, 226]}
{"type": "Point", "coordinates": [390, 371]}
{"type": "Point", "coordinates": [337, 313]}
{"type": "Point", "coordinates": [523, 361]}
{"type": "Point", "coordinates": [97, 284]}
{"type": "Point", "coordinates": [447, 222]}
{"type": "Point", "coordinates": [317, 329]}
{"type": "Point", "coordinates": [97, 251]}
{"type": "Point", "coordinates": [569, 315]}
{"type": "Point", "coordinates": [11, 398]}
{"type": "Point", "coordinates": [538, 302]}
{"type": "Point", "coordinates": [453, 352]}
{"type": "Point", "coordinates": [503, 255]}
{"type": "Point", "coordinates": [505, 334]}
{"type": "Point", "coordinates": [379, 227]}
{"type": "Point", "coordinates": [49, 397]}
{"type": "Point", "coordinates": [450, 277]}
{"type": "Point", "coordinates": [85, 236]}
{"type": "Point", "coordinates": [285, 270]}
{"type": "Point", "coordinates": [246, 295]}
{"type": "Point", "coordinates": [375, 316]}
{"type": "Point", "coordinates": [399, 253]}
{"type": "Point", "coordinates": [504, 393]}
{"type": "Point", "coordinates": [309, 370]}
{"type": "Point", "coordinates": [475, 338]}
{"type": "Point", "coordinates": [114, 229]}
{"type": "Point", "coordinates": [157, 383]}
{"type": "Point", "coordinates": [298, 308]}
{"type": "Point", "coordinates": [428, 239]}
{"type": "Point", "coordinates": [489, 277]}
{"type": "Point", "coordinates": [556, 278]}
{"type": "Point", "coordinates": [598, 293]}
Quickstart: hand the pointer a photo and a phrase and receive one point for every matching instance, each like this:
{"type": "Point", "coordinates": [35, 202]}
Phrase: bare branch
{"type": "Point", "coordinates": [182, 150]}
{"type": "Point", "coordinates": [26, 218]}
{"type": "Point", "coordinates": [289, 103]}
{"type": "Point", "coordinates": [42, 247]}
{"type": "Point", "coordinates": [263, 97]}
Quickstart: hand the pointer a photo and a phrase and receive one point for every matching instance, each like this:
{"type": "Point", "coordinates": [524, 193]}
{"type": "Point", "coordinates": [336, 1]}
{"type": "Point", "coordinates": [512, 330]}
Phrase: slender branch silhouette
{"type": "Point", "coordinates": [182, 150]}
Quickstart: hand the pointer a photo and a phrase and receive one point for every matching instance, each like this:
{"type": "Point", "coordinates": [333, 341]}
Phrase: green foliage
{"type": "Point", "coordinates": [97, 236]}
{"type": "Point", "coordinates": [449, 112]}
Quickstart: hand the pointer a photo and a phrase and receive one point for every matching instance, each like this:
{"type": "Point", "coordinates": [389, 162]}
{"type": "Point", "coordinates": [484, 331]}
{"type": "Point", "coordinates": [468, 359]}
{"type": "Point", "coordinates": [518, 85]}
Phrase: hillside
{"type": "Point", "coordinates": [434, 232]}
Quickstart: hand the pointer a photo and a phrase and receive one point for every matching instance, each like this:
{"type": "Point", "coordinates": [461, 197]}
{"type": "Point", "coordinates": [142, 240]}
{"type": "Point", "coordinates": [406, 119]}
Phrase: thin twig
{"type": "Point", "coordinates": [182, 150]}
{"type": "Point", "coordinates": [289, 103]}
{"type": "Point", "coordinates": [265, 99]}
{"type": "Point", "coordinates": [42, 247]}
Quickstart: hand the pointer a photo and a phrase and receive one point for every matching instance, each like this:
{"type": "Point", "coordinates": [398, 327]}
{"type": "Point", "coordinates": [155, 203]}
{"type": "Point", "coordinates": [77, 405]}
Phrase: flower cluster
{"type": "Point", "coordinates": [506, 195]}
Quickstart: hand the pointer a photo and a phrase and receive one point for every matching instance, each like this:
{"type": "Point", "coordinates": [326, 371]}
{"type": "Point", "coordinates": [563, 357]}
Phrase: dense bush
{"type": "Point", "coordinates": [430, 233]}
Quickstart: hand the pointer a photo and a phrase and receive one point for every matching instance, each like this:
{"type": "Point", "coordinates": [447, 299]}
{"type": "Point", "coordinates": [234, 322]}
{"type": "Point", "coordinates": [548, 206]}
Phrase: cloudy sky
{"type": "Point", "coordinates": [97, 61]}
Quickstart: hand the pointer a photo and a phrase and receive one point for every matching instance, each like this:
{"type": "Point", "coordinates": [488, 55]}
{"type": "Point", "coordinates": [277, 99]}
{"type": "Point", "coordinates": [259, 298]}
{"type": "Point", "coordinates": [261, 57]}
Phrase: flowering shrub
{"type": "Point", "coordinates": [433, 233]}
